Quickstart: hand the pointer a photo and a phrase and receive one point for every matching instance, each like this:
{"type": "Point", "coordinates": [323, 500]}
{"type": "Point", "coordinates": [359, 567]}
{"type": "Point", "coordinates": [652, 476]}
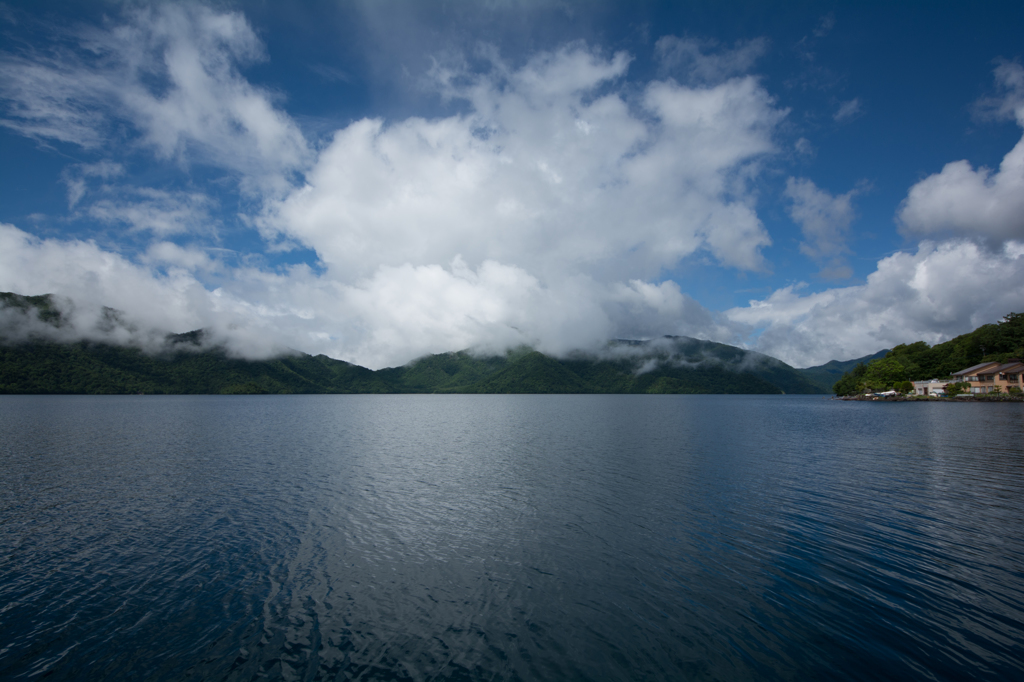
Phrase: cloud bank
{"type": "Point", "coordinates": [546, 211]}
{"type": "Point", "coordinates": [543, 213]}
{"type": "Point", "coordinates": [397, 314]}
{"type": "Point", "coordinates": [938, 292]}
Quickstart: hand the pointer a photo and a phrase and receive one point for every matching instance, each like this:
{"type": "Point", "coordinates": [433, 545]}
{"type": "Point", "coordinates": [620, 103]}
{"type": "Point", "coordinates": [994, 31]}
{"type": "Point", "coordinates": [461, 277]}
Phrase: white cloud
{"type": "Point", "coordinates": [44, 101]}
{"type": "Point", "coordinates": [1009, 104]}
{"type": "Point", "coordinates": [545, 213]}
{"type": "Point", "coordinates": [160, 212]}
{"type": "Point", "coordinates": [401, 312]}
{"type": "Point", "coordinates": [139, 209]}
{"type": "Point", "coordinates": [702, 61]}
{"type": "Point", "coordinates": [552, 170]}
{"type": "Point", "coordinates": [938, 292]}
{"type": "Point", "coordinates": [978, 203]}
{"type": "Point", "coordinates": [76, 176]}
{"type": "Point", "coordinates": [640, 310]}
{"type": "Point", "coordinates": [171, 73]}
{"type": "Point", "coordinates": [189, 259]}
{"type": "Point", "coordinates": [848, 110]}
{"type": "Point", "coordinates": [516, 222]}
{"type": "Point", "coordinates": [824, 221]}
{"type": "Point", "coordinates": [387, 318]}
{"type": "Point", "coordinates": [93, 277]}
{"type": "Point", "coordinates": [825, 25]}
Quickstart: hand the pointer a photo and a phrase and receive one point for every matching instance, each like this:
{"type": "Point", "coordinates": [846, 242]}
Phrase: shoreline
{"type": "Point", "coordinates": [984, 398]}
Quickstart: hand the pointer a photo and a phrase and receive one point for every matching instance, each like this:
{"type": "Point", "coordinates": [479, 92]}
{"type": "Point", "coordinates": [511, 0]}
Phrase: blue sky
{"type": "Point", "coordinates": [380, 180]}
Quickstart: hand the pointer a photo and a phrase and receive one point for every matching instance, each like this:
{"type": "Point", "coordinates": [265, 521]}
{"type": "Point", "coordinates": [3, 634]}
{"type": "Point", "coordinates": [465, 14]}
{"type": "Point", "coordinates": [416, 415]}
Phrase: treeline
{"type": "Point", "coordinates": [94, 368]}
{"type": "Point", "coordinates": [97, 368]}
{"type": "Point", "coordinates": [918, 361]}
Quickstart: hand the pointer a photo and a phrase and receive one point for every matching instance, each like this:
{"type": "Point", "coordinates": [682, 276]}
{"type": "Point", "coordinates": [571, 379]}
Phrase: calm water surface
{"type": "Point", "coordinates": [509, 538]}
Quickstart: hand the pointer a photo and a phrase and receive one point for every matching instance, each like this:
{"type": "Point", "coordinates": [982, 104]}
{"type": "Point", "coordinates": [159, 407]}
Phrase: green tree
{"type": "Point", "coordinates": [1000, 341]}
{"type": "Point", "coordinates": [955, 388]}
{"type": "Point", "coordinates": [886, 372]}
{"type": "Point", "coordinates": [852, 382]}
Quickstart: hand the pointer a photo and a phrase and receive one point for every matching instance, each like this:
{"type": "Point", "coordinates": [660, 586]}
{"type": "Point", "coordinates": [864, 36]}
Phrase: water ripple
{"type": "Point", "coordinates": [509, 538]}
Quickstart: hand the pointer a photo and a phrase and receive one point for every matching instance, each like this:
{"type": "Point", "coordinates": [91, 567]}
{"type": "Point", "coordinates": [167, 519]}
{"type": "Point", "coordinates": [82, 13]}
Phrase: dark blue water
{"type": "Point", "coordinates": [510, 537]}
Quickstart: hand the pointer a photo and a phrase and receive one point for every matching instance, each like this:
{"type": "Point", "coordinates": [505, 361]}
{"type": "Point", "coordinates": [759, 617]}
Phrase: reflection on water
{"type": "Point", "coordinates": [509, 537]}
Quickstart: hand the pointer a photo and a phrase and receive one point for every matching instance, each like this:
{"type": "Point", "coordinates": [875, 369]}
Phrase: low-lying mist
{"type": "Point", "coordinates": [49, 318]}
{"type": "Point", "coordinates": [59, 319]}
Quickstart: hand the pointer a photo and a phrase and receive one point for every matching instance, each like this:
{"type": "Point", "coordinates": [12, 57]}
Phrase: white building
{"type": "Point", "coordinates": [930, 387]}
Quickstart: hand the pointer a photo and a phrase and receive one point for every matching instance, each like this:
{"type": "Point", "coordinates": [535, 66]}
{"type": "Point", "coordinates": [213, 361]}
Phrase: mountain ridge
{"type": "Point", "coordinates": [185, 363]}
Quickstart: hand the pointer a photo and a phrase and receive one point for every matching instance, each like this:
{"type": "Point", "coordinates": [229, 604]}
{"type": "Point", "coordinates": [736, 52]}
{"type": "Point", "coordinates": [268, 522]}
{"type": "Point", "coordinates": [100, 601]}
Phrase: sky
{"type": "Point", "coordinates": [379, 180]}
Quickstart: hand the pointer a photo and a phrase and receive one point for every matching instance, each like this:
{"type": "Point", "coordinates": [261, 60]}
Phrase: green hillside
{"type": "Point", "coordinates": [93, 368]}
{"type": "Point", "coordinates": [101, 368]}
{"type": "Point", "coordinates": [918, 361]}
{"type": "Point", "coordinates": [185, 365]}
{"type": "Point", "coordinates": [825, 376]}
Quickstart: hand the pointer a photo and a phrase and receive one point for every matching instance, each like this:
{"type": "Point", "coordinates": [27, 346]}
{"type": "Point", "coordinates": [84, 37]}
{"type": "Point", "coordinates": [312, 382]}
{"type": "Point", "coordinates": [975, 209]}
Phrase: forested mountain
{"type": "Point", "coordinates": [30, 363]}
{"type": "Point", "coordinates": [825, 376]}
{"type": "Point", "coordinates": [84, 367]}
{"type": "Point", "coordinates": [918, 361]}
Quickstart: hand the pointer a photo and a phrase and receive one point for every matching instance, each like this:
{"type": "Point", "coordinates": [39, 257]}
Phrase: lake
{"type": "Point", "coordinates": [497, 537]}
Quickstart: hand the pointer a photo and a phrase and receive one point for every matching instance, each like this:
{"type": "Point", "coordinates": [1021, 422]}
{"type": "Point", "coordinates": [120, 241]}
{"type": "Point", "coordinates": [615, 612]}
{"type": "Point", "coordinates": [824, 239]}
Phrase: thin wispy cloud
{"type": "Point", "coordinates": [824, 222]}
{"type": "Point", "coordinates": [848, 110]}
{"type": "Point", "coordinates": [171, 73]}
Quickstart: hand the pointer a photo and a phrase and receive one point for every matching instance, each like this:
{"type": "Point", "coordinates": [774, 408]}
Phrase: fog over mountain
{"type": "Point", "coordinates": [47, 345]}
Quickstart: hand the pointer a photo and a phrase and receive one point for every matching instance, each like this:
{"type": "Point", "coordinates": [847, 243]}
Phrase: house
{"type": "Point", "coordinates": [930, 387]}
{"type": "Point", "coordinates": [987, 375]}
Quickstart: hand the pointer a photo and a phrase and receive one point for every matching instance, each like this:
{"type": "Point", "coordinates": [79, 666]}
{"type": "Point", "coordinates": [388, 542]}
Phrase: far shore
{"type": "Point", "coordinates": [984, 398]}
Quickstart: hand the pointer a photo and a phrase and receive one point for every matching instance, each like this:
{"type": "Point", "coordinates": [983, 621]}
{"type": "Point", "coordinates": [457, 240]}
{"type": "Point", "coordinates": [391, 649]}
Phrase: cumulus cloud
{"type": "Point", "coordinates": [169, 72]}
{"type": "Point", "coordinates": [552, 169]}
{"type": "Point", "coordinates": [540, 215]}
{"type": "Point", "coordinates": [979, 203]}
{"type": "Point", "coordinates": [938, 292]}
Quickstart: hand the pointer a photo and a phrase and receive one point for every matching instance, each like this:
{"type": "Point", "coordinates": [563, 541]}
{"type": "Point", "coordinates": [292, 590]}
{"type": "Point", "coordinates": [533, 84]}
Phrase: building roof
{"type": "Point", "coordinates": [975, 368]}
{"type": "Point", "coordinates": [1010, 364]}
